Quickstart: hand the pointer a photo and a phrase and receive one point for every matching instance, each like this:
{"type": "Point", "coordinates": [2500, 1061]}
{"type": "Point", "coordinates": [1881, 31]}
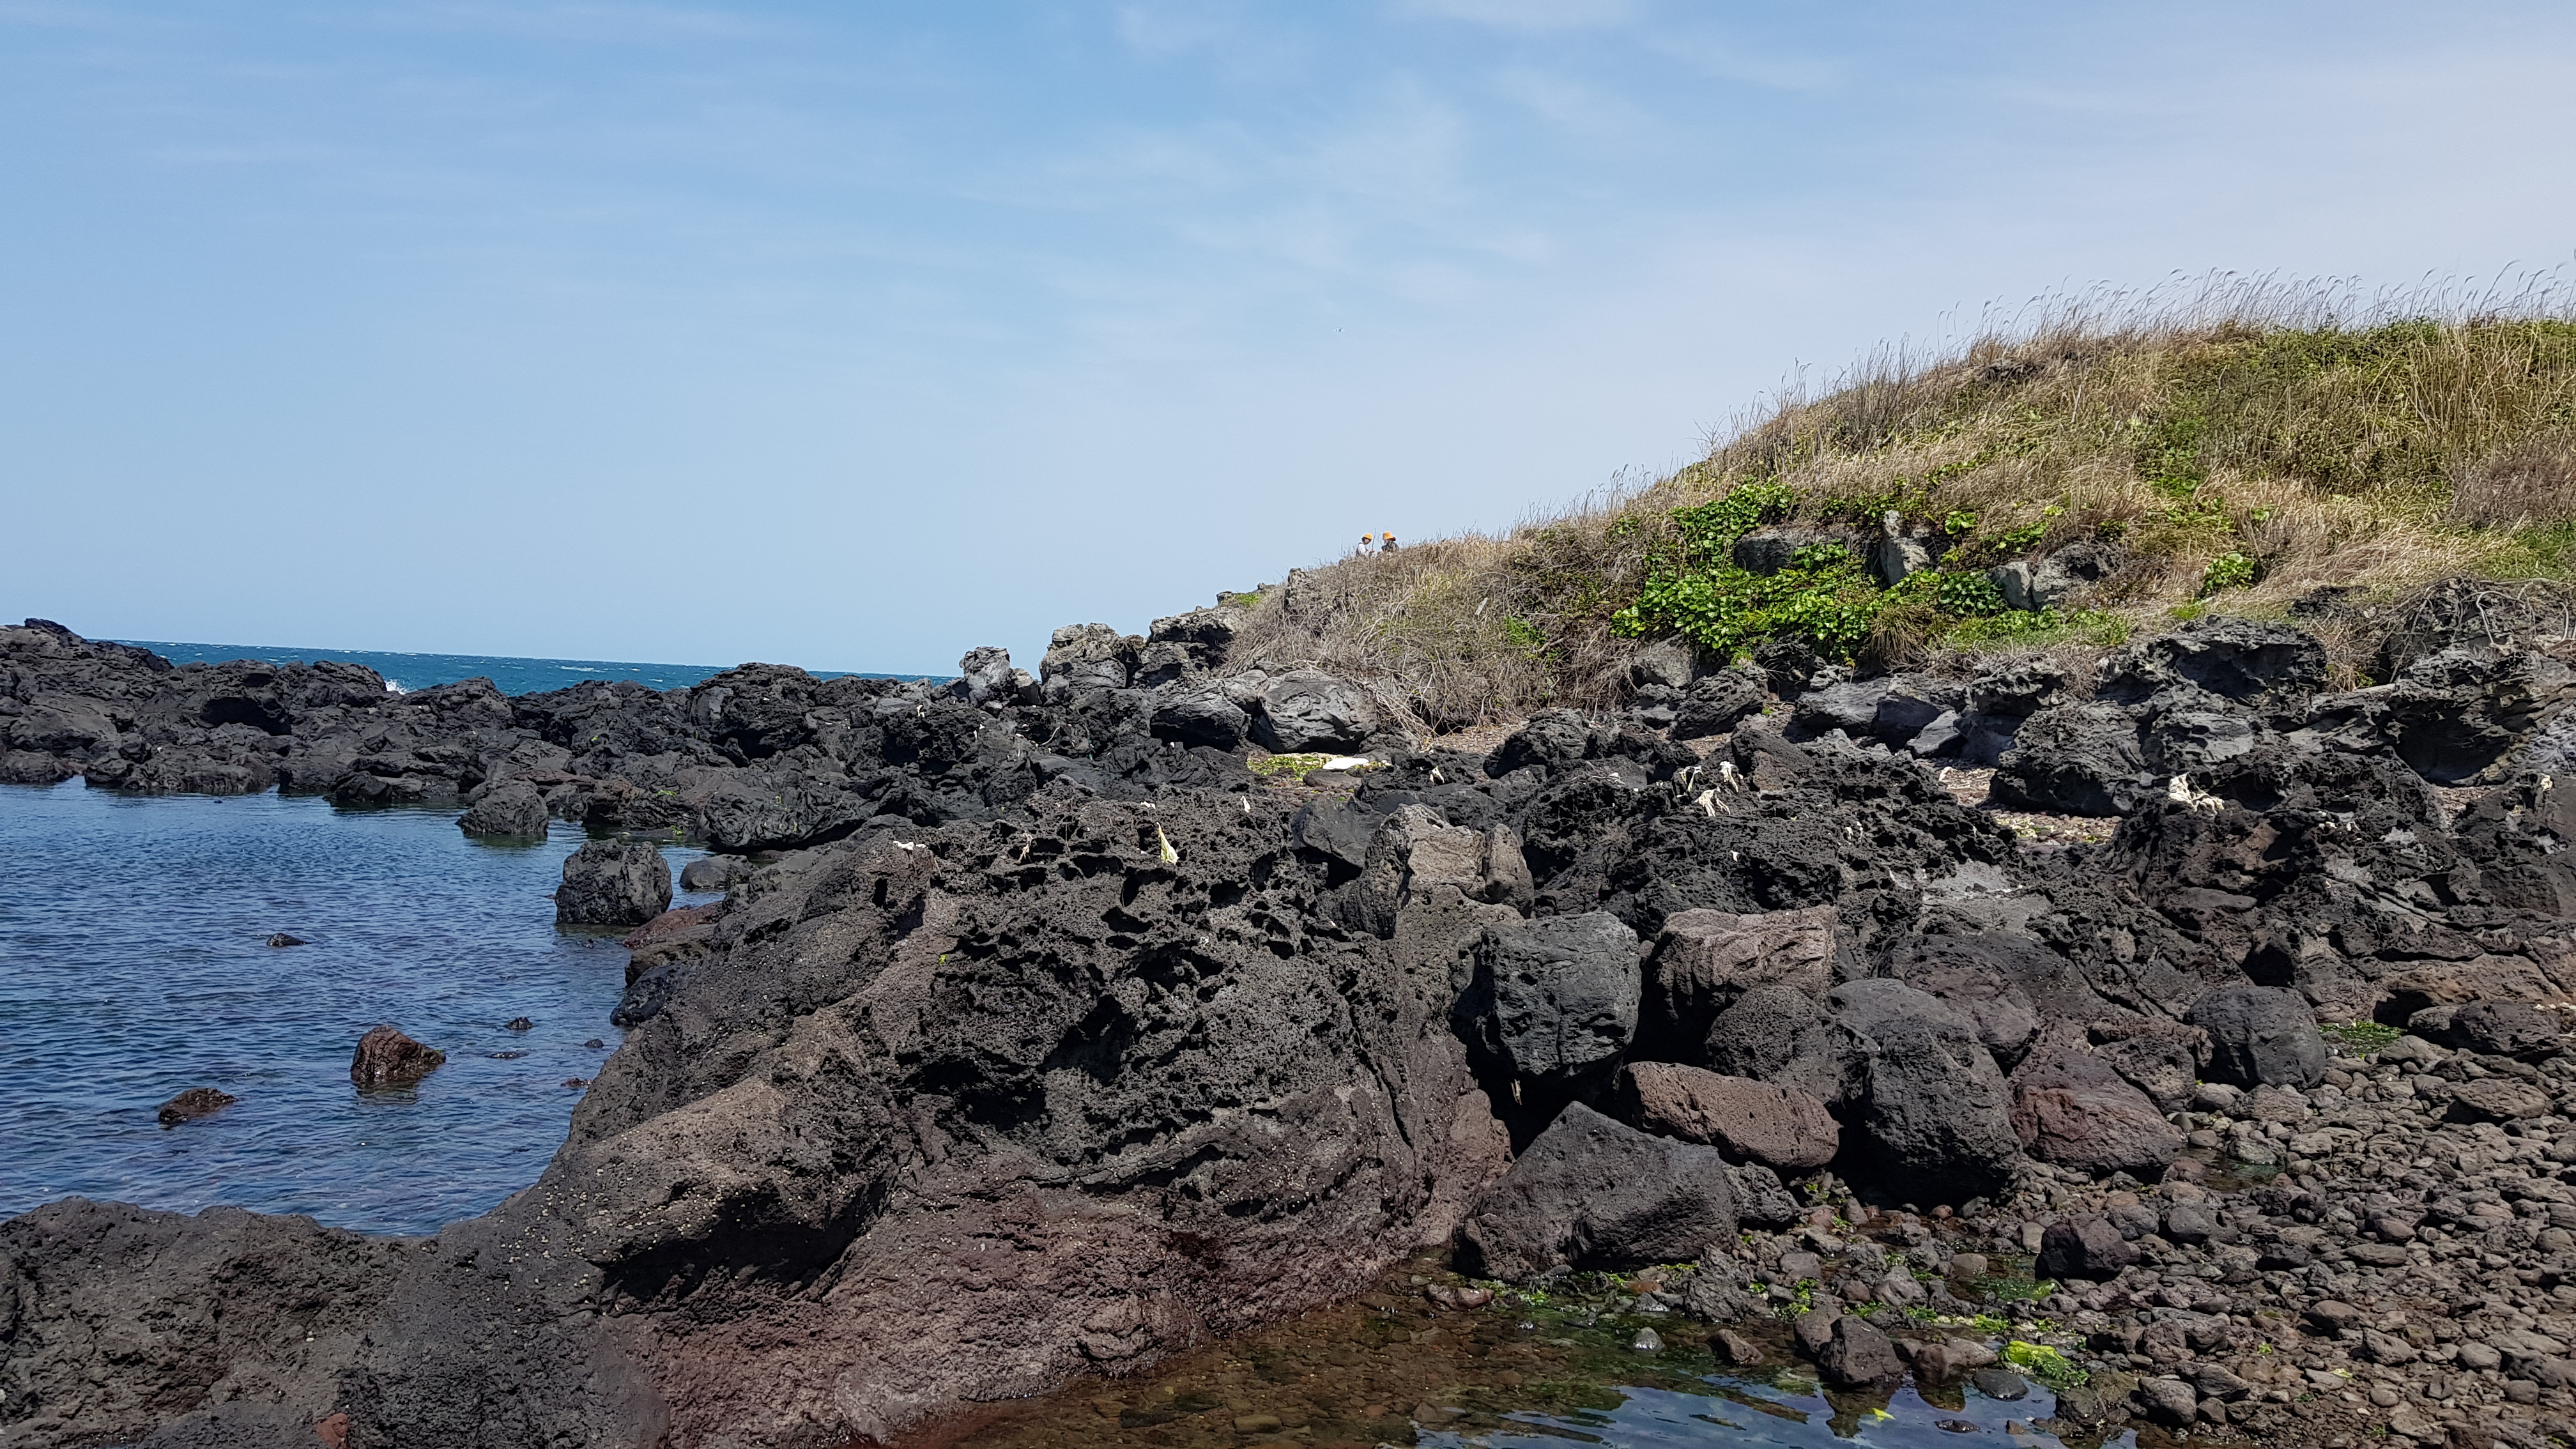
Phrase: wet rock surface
{"type": "Point", "coordinates": [613, 883]}
{"type": "Point", "coordinates": [387, 1058]}
{"type": "Point", "coordinates": [192, 1104]}
{"type": "Point", "coordinates": [1033, 1020]}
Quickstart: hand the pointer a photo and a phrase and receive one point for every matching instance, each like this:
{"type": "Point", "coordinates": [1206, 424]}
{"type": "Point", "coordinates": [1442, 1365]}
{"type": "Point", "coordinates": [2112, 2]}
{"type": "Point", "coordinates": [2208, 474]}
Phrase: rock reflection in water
{"type": "Point", "coordinates": [1395, 1367]}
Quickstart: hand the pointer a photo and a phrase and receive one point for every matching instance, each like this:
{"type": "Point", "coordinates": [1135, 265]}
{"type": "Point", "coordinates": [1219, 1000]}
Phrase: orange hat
{"type": "Point", "coordinates": [1388, 535]}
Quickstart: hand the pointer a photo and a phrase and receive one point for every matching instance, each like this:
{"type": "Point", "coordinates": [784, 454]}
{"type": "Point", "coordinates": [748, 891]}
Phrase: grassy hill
{"type": "Point", "coordinates": [2240, 453]}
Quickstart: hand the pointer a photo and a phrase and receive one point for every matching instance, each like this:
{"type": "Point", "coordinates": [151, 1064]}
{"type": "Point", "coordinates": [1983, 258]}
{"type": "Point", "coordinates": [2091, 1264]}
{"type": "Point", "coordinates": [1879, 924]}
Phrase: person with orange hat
{"type": "Point", "coordinates": [1388, 545]}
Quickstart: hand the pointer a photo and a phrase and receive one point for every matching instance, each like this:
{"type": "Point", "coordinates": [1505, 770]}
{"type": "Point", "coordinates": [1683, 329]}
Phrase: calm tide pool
{"type": "Point", "coordinates": [1395, 1366]}
{"type": "Point", "coordinates": [133, 966]}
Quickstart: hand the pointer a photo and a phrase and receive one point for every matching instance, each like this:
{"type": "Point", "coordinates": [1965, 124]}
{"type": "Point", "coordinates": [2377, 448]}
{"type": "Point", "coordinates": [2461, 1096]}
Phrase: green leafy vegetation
{"type": "Point", "coordinates": [2362, 1038]}
{"type": "Point", "coordinates": [1824, 596]}
{"type": "Point", "coordinates": [2227, 571]}
{"type": "Point", "coordinates": [2045, 1364]}
{"type": "Point", "coordinates": [1271, 767]}
{"type": "Point", "coordinates": [2010, 1289]}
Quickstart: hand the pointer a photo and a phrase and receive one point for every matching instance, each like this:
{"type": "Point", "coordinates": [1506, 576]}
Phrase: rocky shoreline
{"type": "Point", "coordinates": [1040, 1035]}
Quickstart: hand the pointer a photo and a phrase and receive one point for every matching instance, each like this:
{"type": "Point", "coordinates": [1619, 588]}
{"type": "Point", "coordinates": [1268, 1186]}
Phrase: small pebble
{"type": "Point", "coordinates": [1647, 1341]}
{"type": "Point", "coordinates": [505, 1056]}
{"type": "Point", "coordinates": [576, 1081]}
{"type": "Point", "coordinates": [283, 939]}
{"type": "Point", "coordinates": [594, 1043]}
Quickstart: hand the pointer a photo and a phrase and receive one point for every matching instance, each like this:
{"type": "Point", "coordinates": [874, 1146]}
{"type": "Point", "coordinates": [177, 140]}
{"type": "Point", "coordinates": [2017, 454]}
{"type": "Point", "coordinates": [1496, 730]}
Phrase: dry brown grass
{"type": "Point", "coordinates": [2379, 442]}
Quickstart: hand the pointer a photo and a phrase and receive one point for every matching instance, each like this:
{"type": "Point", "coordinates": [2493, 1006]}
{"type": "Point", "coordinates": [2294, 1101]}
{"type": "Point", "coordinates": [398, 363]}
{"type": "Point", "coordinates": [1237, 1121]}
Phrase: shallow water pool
{"type": "Point", "coordinates": [1395, 1366]}
{"type": "Point", "coordinates": [133, 966]}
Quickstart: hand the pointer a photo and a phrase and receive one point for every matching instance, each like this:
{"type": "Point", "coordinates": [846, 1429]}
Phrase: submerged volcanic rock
{"type": "Point", "coordinates": [387, 1058]}
{"type": "Point", "coordinates": [192, 1104]}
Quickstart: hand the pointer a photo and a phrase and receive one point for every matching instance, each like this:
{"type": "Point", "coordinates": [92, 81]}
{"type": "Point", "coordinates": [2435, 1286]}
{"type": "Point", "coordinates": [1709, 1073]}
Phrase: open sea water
{"type": "Point", "coordinates": [512, 676]}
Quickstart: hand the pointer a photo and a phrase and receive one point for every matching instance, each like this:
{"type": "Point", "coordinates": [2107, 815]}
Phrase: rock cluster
{"type": "Point", "coordinates": [1034, 1036]}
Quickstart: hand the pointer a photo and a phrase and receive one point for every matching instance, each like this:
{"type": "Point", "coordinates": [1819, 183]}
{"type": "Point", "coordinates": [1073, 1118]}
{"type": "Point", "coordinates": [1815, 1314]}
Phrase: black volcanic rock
{"type": "Point", "coordinates": [1042, 1040]}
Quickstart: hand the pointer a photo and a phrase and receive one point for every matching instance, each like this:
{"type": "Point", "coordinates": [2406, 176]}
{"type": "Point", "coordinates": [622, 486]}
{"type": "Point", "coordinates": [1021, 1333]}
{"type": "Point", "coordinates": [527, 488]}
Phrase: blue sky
{"type": "Point", "coordinates": [856, 335]}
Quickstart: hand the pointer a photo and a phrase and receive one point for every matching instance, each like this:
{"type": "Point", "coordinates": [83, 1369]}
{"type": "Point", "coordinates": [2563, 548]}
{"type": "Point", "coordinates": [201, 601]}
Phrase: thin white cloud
{"type": "Point", "coordinates": [1161, 30]}
{"type": "Point", "coordinates": [1530, 14]}
{"type": "Point", "coordinates": [1573, 106]}
{"type": "Point", "coordinates": [1723, 57]}
{"type": "Point", "coordinates": [587, 21]}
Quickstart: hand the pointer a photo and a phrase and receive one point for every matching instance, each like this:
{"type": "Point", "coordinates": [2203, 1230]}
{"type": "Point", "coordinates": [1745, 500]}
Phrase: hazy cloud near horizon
{"type": "Point", "coordinates": [841, 337]}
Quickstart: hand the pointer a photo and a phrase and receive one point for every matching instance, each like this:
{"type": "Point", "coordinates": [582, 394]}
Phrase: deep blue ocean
{"type": "Point", "coordinates": [513, 676]}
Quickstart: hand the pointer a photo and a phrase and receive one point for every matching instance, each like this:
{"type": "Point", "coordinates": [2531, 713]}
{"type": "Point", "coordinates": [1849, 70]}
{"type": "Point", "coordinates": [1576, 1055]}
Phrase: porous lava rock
{"type": "Point", "coordinates": [511, 809]}
{"type": "Point", "coordinates": [1779, 1127]}
{"type": "Point", "coordinates": [192, 1104]}
{"type": "Point", "coordinates": [1036, 1037]}
{"type": "Point", "coordinates": [1595, 1193]}
{"type": "Point", "coordinates": [2259, 1036]}
{"type": "Point", "coordinates": [387, 1058]}
{"type": "Point", "coordinates": [1554, 998]}
{"type": "Point", "coordinates": [613, 883]}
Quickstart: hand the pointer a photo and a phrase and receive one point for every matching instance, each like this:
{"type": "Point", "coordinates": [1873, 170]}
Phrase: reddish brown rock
{"type": "Point", "coordinates": [669, 923]}
{"type": "Point", "coordinates": [387, 1058]}
{"type": "Point", "coordinates": [1704, 960]}
{"type": "Point", "coordinates": [1747, 1120]}
{"type": "Point", "coordinates": [194, 1103]}
{"type": "Point", "coordinates": [2098, 1129]}
{"type": "Point", "coordinates": [2071, 1107]}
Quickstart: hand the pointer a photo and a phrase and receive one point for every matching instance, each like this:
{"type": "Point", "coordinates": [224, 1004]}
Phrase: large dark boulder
{"type": "Point", "coordinates": [266, 1307]}
{"type": "Point", "coordinates": [1307, 709]}
{"type": "Point", "coordinates": [1554, 738]}
{"type": "Point", "coordinates": [2503, 1029]}
{"type": "Point", "coordinates": [1851, 706]}
{"type": "Point", "coordinates": [2238, 659]}
{"type": "Point", "coordinates": [2260, 1036]}
{"type": "Point", "coordinates": [2018, 688]}
{"type": "Point", "coordinates": [1781, 1035]}
{"type": "Point", "coordinates": [1934, 1112]}
{"type": "Point", "coordinates": [985, 677]}
{"type": "Point", "coordinates": [2076, 759]}
{"type": "Point", "coordinates": [387, 1058]}
{"type": "Point", "coordinates": [511, 810]}
{"type": "Point", "coordinates": [2519, 836]}
{"type": "Point", "coordinates": [1704, 961]}
{"type": "Point", "coordinates": [613, 883]}
{"type": "Point", "coordinates": [1087, 657]}
{"type": "Point", "coordinates": [1554, 999]}
{"type": "Point", "coordinates": [1202, 717]}
{"type": "Point", "coordinates": [1719, 702]}
{"type": "Point", "coordinates": [1206, 635]}
{"type": "Point", "coordinates": [1594, 1193]}
{"type": "Point", "coordinates": [2458, 716]}
{"type": "Point", "coordinates": [2073, 1109]}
